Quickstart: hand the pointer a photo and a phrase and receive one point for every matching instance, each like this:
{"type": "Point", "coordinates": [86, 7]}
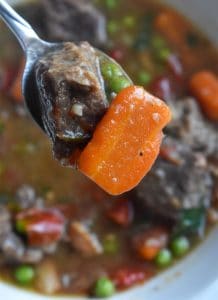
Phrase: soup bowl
{"type": "Point", "coordinates": [196, 276]}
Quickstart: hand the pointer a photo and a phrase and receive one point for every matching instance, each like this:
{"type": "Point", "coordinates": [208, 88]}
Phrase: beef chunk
{"type": "Point", "coordinates": [12, 247]}
{"type": "Point", "coordinates": [191, 127]}
{"type": "Point", "coordinates": [32, 256]}
{"type": "Point", "coordinates": [81, 282]}
{"type": "Point", "coordinates": [171, 186]}
{"type": "Point", "coordinates": [182, 178]}
{"type": "Point", "coordinates": [25, 196]}
{"type": "Point", "coordinates": [73, 20]}
{"type": "Point", "coordinates": [15, 250]}
{"type": "Point", "coordinates": [72, 96]}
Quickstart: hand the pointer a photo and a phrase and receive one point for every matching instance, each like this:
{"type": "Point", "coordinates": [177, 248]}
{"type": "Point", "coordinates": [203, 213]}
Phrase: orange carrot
{"type": "Point", "coordinates": [175, 29]}
{"type": "Point", "coordinates": [204, 86]}
{"type": "Point", "coordinates": [148, 243]}
{"type": "Point", "coordinates": [149, 252]}
{"type": "Point", "coordinates": [16, 88]}
{"type": "Point", "coordinates": [172, 26]}
{"type": "Point", "coordinates": [126, 142]}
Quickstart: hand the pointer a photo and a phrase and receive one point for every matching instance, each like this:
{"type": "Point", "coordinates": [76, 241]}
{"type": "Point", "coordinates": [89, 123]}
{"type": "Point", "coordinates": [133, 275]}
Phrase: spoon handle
{"type": "Point", "coordinates": [23, 31]}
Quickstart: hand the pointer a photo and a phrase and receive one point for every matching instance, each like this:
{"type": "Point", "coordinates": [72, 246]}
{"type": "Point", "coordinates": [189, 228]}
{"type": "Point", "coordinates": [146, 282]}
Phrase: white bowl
{"type": "Point", "coordinates": [196, 273]}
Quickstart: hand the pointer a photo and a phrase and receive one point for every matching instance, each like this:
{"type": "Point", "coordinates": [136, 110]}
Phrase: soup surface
{"type": "Point", "coordinates": [61, 234]}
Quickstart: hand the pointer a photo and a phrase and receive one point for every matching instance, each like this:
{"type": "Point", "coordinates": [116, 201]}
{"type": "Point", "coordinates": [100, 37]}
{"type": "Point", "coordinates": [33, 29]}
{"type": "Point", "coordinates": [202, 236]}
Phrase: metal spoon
{"type": "Point", "coordinates": [34, 48]}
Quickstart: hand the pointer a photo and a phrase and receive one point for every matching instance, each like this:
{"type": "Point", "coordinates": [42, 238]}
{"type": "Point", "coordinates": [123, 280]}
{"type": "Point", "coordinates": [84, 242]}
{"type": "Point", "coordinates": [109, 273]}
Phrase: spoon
{"type": "Point", "coordinates": [34, 49]}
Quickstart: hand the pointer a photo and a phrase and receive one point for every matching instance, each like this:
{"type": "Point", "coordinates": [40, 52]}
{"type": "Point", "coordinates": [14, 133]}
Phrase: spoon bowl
{"type": "Point", "coordinates": [34, 49]}
{"type": "Point", "coordinates": [37, 49]}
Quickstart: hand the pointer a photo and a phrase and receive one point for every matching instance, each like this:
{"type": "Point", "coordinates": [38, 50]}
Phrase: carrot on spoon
{"type": "Point", "coordinates": [126, 142]}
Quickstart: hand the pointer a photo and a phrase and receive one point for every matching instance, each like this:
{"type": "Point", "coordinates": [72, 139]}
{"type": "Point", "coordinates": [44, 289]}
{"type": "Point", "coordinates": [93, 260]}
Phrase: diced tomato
{"type": "Point", "coordinates": [7, 76]}
{"type": "Point", "coordinates": [175, 67]}
{"type": "Point", "coordinates": [68, 210]}
{"type": "Point", "coordinates": [161, 87]}
{"type": "Point", "coordinates": [12, 177]}
{"type": "Point", "coordinates": [122, 212]}
{"type": "Point", "coordinates": [129, 276]}
{"type": "Point", "coordinates": [42, 226]}
{"type": "Point", "coordinates": [117, 54]}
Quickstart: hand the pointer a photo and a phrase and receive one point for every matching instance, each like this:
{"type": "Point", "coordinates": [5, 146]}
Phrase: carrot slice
{"type": "Point", "coordinates": [150, 241]}
{"type": "Point", "coordinates": [204, 86]}
{"type": "Point", "coordinates": [175, 29]}
{"type": "Point", "coordinates": [172, 26]}
{"type": "Point", "coordinates": [126, 142]}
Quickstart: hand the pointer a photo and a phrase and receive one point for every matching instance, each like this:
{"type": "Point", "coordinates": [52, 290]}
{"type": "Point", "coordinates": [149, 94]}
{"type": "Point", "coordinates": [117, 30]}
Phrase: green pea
{"type": "Point", "coordinates": [110, 244]}
{"type": "Point", "coordinates": [163, 258]}
{"type": "Point", "coordinates": [160, 48]}
{"type": "Point", "coordinates": [163, 54]}
{"type": "Point", "coordinates": [129, 21]}
{"type": "Point", "coordinates": [24, 274]}
{"type": "Point", "coordinates": [104, 287]}
{"type": "Point", "coordinates": [127, 39]}
{"type": "Point", "coordinates": [158, 42]}
{"type": "Point", "coordinates": [119, 83]}
{"type": "Point", "coordinates": [180, 246]}
{"type": "Point", "coordinates": [111, 4]}
{"type": "Point", "coordinates": [109, 70]}
{"type": "Point", "coordinates": [144, 78]}
{"type": "Point", "coordinates": [112, 27]}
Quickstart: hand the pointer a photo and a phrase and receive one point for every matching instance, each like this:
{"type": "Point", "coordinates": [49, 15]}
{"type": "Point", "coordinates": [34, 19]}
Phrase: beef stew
{"type": "Point", "coordinates": [59, 233]}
